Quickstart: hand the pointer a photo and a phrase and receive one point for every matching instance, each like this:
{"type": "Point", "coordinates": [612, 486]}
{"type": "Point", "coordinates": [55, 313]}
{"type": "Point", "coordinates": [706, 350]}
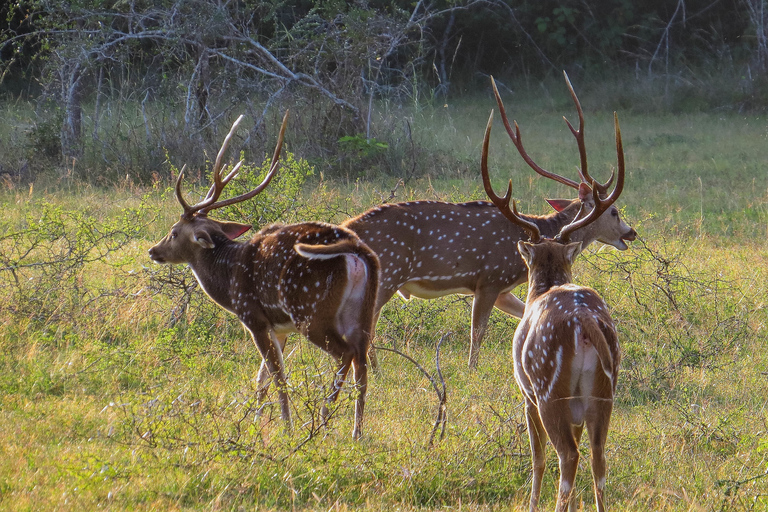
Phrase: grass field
{"type": "Point", "coordinates": [123, 387]}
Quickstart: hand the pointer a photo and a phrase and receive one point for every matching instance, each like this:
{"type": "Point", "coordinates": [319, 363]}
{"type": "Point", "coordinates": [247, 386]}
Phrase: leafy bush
{"type": "Point", "coordinates": [671, 318]}
{"type": "Point", "coordinates": [47, 255]}
{"type": "Point", "coordinates": [281, 201]}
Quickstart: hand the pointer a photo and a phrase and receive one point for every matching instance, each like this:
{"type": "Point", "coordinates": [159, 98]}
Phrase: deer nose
{"type": "Point", "coordinates": [630, 235]}
{"type": "Point", "coordinates": [153, 255]}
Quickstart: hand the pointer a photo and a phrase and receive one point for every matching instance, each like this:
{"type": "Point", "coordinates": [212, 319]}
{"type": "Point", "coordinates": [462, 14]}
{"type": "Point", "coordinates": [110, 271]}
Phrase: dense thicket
{"type": "Point", "coordinates": [88, 62]}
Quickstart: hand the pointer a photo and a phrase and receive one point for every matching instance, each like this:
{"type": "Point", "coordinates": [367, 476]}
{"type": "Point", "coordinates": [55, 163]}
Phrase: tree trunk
{"type": "Point", "coordinates": [203, 84]}
{"type": "Point", "coordinates": [71, 129]}
{"type": "Point", "coordinates": [443, 73]}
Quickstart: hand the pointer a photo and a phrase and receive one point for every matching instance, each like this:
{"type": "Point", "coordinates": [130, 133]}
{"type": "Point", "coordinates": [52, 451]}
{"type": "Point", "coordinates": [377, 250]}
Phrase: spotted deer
{"type": "Point", "coordinates": [565, 349]}
{"type": "Point", "coordinates": [429, 249]}
{"type": "Point", "coordinates": [314, 278]}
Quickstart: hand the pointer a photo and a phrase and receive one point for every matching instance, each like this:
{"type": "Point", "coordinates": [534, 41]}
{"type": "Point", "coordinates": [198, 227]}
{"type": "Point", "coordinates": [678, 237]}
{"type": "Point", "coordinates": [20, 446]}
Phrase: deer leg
{"type": "Point", "coordinates": [348, 351]}
{"type": "Point", "coordinates": [561, 434]}
{"type": "Point", "coordinates": [482, 305]}
{"type": "Point", "coordinates": [361, 383]}
{"type": "Point", "coordinates": [262, 379]}
{"type": "Point", "coordinates": [597, 430]}
{"type": "Point", "coordinates": [510, 304]}
{"type": "Point", "coordinates": [538, 438]}
{"type": "Point", "coordinates": [577, 431]}
{"type": "Point", "coordinates": [273, 358]}
{"type": "Point", "coordinates": [345, 362]}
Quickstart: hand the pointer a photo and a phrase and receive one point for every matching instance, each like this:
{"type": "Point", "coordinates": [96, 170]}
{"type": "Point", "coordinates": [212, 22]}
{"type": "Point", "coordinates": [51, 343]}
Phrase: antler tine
{"type": "Point", "coordinates": [267, 179]}
{"type": "Point", "coordinates": [187, 209]}
{"type": "Point", "coordinates": [502, 203]}
{"type": "Point", "coordinates": [218, 183]}
{"type": "Point", "coordinates": [601, 205]}
{"type": "Point", "coordinates": [517, 141]}
{"type": "Point", "coordinates": [224, 145]}
{"type": "Point", "coordinates": [579, 134]}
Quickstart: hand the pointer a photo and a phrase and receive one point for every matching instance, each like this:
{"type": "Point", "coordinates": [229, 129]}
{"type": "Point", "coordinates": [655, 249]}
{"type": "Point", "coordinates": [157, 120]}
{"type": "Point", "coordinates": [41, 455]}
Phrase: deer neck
{"type": "Point", "coordinates": [542, 279]}
{"type": "Point", "coordinates": [213, 270]}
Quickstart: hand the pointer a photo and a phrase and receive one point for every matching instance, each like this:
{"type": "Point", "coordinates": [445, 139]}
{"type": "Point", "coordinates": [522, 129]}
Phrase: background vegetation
{"type": "Point", "coordinates": [123, 387]}
{"type": "Point", "coordinates": [117, 87]}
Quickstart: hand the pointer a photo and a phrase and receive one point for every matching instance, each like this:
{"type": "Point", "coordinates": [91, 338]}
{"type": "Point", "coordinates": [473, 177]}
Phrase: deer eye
{"type": "Point", "coordinates": [174, 234]}
{"type": "Point", "coordinates": [615, 212]}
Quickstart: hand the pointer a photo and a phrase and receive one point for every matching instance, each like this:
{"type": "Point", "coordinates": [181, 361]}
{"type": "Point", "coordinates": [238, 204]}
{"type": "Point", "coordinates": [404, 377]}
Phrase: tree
{"type": "Point", "coordinates": [207, 54]}
{"type": "Point", "coordinates": [332, 58]}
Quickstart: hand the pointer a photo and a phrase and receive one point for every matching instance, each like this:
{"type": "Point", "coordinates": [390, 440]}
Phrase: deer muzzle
{"type": "Point", "coordinates": [630, 235]}
{"type": "Point", "coordinates": [155, 256]}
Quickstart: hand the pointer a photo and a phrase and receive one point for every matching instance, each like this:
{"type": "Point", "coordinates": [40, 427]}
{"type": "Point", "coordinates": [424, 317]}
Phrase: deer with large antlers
{"type": "Point", "coordinates": [314, 278]}
{"type": "Point", "coordinates": [565, 349]}
{"type": "Point", "coordinates": [430, 249]}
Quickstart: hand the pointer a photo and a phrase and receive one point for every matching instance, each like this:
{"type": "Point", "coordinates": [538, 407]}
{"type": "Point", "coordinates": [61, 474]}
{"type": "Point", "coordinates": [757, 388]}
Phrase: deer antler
{"type": "Point", "coordinates": [579, 135]}
{"type": "Point", "coordinates": [601, 205]}
{"type": "Point", "coordinates": [219, 182]}
{"type": "Point", "coordinates": [502, 203]}
{"type": "Point", "coordinates": [517, 141]}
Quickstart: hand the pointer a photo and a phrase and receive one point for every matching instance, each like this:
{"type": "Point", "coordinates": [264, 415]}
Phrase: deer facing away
{"type": "Point", "coordinates": [565, 349]}
{"type": "Point", "coordinates": [430, 249]}
{"type": "Point", "coordinates": [314, 278]}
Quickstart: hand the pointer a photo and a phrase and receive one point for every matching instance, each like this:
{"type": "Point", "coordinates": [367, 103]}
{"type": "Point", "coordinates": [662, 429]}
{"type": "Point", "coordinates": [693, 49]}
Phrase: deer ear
{"type": "Point", "coordinates": [202, 238]}
{"type": "Point", "coordinates": [572, 250]}
{"type": "Point", "coordinates": [526, 251]}
{"type": "Point", "coordinates": [234, 229]}
{"type": "Point", "coordinates": [559, 204]}
{"type": "Point", "coordinates": [585, 193]}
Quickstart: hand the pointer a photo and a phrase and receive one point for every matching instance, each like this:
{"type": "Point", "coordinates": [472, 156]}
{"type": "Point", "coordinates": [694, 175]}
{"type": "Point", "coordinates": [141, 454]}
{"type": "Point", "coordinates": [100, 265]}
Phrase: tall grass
{"type": "Point", "coordinates": [123, 387]}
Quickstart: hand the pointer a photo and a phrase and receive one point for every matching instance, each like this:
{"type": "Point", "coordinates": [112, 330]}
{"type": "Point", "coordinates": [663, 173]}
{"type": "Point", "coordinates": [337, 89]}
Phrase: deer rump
{"type": "Point", "coordinates": [322, 268]}
{"type": "Point", "coordinates": [585, 342]}
{"type": "Point", "coordinates": [360, 268]}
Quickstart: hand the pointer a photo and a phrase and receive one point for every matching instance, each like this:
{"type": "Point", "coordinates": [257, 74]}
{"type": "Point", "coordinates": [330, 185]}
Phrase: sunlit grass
{"type": "Point", "coordinates": [122, 387]}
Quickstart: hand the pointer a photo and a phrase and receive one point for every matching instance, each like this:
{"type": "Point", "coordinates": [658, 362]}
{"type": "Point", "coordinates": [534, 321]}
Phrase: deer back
{"type": "Point", "coordinates": [288, 270]}
{"type": "Point", "coordinates": [565, 347]}
{"type": "Point", "coordinates": [445, 248]}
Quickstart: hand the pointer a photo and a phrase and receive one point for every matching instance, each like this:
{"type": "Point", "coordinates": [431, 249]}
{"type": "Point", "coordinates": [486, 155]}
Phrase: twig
{"type": "Point", "coordinates": [665, 36]}
{"type": "Point", "coordinates": [442, 416]}
{"type": "Point", "coordinates": [393, 192]}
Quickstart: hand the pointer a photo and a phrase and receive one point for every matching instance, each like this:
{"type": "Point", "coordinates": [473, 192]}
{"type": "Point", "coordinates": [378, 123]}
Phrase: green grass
{"type": "Point", "coordinates": [121, 387]}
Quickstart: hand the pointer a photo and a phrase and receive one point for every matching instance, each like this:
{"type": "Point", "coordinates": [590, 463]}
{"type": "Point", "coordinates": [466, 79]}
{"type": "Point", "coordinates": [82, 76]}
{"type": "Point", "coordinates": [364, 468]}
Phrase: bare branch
{"type": "Point", "coordinates": [441, 419]}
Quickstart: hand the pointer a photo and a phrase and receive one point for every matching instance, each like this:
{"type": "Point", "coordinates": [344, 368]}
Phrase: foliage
{"type": "Point", "coordinates": [47, 252]}
{"type": "Point", "coordinates": [359, 153]}
{"type": "Point", "coordinates": [362, 146]}
{"type": "Point", "coordinates": [123, 386]}
{"type": "Point", "coordinates": [122, 84]}
{"type": "Point", "coordinates": [664, 288]}
{"type": "Point", "coordinates": [281, 201]}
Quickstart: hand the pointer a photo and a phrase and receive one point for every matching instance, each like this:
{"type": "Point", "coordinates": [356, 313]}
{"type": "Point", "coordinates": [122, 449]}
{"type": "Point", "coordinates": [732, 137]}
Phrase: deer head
{"type": "Point", "coordinates": [195, 233]}
{"type": "Point", "coordinates": [595, 206]}
{"type": "Point", "coordinates": [609, 229]}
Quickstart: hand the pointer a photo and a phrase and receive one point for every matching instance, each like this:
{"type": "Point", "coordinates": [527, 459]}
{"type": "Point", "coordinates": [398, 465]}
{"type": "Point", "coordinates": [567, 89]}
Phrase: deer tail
{"type": "Point", "coordinates": [334, 250]}
{"type": "Point", "coordinates": [362, 254]}
{"type": "Point", "coordinates": [349, 246]}
{"type": "Point", "coordinates": [591, 330]}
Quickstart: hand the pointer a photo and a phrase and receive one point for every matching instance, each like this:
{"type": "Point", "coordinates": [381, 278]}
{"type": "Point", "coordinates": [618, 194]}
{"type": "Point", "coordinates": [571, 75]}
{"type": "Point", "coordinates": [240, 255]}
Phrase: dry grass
{"type": "Point", "coordinates": [121, 389]}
